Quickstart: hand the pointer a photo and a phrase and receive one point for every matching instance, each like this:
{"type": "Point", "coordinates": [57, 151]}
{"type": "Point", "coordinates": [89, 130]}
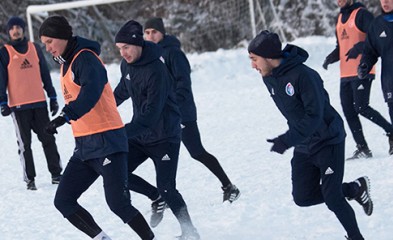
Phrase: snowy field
{"type": "Point", "coordinates": [235, 116]}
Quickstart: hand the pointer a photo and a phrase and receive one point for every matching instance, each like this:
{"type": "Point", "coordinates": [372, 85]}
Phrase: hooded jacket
{"type": "Point", "coordinates": [90, 74]}
{"type": "Point", "coordinates": [298, 92]}
{"type": "Point", "coordinates": [156, 117]}
{"type": "Point", "coordinates": [180, 69]}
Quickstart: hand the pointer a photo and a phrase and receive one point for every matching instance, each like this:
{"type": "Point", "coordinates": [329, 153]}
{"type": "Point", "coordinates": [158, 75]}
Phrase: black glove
{"type": "Point", "coordinates": [363, 71]}
{"type": "Point", "coordinates": [278, 145]}
{"type": "Point", "coordinates": [53, 107]}
{"type": "Point", "coordinates": [328, 60]}
{"type": "Point", "coordinates": [5, 110]}
{"type": "Point", "coordinates": [55, 123]}
{"type": "Point", "coordinates": [354, 52]}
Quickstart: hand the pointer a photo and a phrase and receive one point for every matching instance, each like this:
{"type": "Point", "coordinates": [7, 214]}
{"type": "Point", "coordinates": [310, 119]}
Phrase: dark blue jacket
{"type": "Point", "coordinates": [90, 74]}
{"type": "Point", "coordinates": [299, 94]}
{"type": "Point", "coordinates": [379, 43]}
{"type": "Point", "coordinates": [156, 116]}
{"type": "Point", "coordinates": [180, 69]}
{"type": "Point", "coordinates": [21, 47]}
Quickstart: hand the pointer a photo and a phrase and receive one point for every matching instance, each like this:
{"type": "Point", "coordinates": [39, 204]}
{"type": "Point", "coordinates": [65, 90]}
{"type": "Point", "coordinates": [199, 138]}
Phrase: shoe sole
{"type": "Point", "coordinates": [354, 158]}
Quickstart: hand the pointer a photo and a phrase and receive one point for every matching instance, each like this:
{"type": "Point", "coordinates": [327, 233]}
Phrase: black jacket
{"type": "Point", "coordinates": [299, 94]}
{"type": "Point", "coordinates": [180, 69]}
{"type": "Point", "coordinates": [156, 117]}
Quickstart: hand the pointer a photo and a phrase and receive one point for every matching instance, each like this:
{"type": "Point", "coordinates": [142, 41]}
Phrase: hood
{"type": "Point", "coordinates": [150, 53]}
{"type": "Point", "coordinates": [78, 43]}
{"type": "Point", "coordinates": [74, 45]}
{"type": "Point", "coordinates": [170, 41]}
{"type": "Point", "coordinates": [292, 57]}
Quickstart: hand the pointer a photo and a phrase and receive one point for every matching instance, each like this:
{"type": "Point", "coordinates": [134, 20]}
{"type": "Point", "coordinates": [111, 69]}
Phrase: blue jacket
{"type": "Point", "coordinates": [21, 47]}
{"type": "Point", "coordinates": [90, 74]}
{"type": "Point", "coordinates": [156, 116]}
{"type": "Point", "coordinates": [300, 96]}
{"type": "Point", "coordinates": [379, 44]}
{"type": "Point", "coordinates": [180, 69]}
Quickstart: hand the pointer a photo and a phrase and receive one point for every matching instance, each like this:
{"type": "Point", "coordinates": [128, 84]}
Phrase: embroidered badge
{"type": "Point", "coordinates": [289, 89]}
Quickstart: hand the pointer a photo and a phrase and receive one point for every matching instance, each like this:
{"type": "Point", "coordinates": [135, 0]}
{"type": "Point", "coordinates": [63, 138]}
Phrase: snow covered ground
{"type": "Point", "coordinates": [236, 116]}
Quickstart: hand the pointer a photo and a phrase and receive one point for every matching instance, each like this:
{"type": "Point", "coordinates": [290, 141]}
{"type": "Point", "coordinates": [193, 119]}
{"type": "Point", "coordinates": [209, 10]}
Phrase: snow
{"type": "Point", "coordinates": [236, 116]}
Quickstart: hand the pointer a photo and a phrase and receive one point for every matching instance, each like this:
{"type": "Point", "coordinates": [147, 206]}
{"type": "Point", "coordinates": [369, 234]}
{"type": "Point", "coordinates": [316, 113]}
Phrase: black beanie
{"type": "Point", "coordinates": [56, 27]}
{"type": "Point", "coordinates": [266, 44]}
{"type": "Point", "coordinates": [16, 21]}
{"type": "Point", "coordinates": [155, 23]}
{"type": "Point", "coordinates": [130, 33]}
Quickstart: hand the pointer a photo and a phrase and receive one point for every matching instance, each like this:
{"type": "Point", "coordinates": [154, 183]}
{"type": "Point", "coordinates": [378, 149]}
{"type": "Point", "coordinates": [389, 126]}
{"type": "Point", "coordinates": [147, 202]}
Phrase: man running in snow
{"type": "Point", "coordinates": [101, 142]}
{"type": "Point", "coordinates": [315, 131]}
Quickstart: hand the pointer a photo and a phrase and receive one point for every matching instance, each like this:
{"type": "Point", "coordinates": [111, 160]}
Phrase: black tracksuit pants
{"type": "Point", "coordinates": [317, 178]}
{"type": "Point", "coordinates": [355, 96]}
{"type": "Point", "coordinates": [35, 120]}
{"type": "Point", "coordinates": [192, 141]}
{"type": "Point", "coordinates": [165, 157]}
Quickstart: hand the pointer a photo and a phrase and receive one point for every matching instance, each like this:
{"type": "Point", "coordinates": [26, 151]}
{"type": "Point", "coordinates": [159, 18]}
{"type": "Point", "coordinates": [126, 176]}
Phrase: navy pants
{"type": "Point", "coordinates": [192, 141]}
{"type": "Point", "coordinates": [355, 96]}
{"type": "Point", "coordinates": [165, 157]}
{"type": "Point", "coordinates": [79, 175]}
{"type": "Point", "coordinates": [390, 106]}
{"type": "Point", "coordinates": [317, 178]}
{"type": "Point", "coordinates": [35, 120]}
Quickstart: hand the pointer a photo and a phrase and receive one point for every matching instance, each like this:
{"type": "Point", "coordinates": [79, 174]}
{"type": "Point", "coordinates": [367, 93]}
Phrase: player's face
{"type": "Point", "coordinates": [262, 65]}
{"type": "Point", "coordinates": [342, 3]}
{"type": "Point", "coordinates": [387, 5]}
{"type": "Point", "coordinates": [153, 35]}
{"type": "Point", "coordinates": [54, 46]}
{"type": "Point", "coordinates": [16, 32]}
{"type": "Point", "coordinates": [129, 52]}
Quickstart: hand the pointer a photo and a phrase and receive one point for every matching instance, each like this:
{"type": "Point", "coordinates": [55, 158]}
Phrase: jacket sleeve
{"type": "Point", "coordinates": [334, 56]}
{"type": "Point", "coordinates": [363, 20]}
{"type": "Point", "coordinates": [4, 60]}
{"type": "Point", "coordinates": [157, 94]}
{"type": "Point", "coordinates": [370, 54]}
{"type": "Point", "coordinates": [45, 75]}
{"type": "Point", "coordinates": [311, 95]}
{"type": "Point", "coordinates": [91, 76]}
{"type": "Point", "coordinates": [121, 92]}
{"type": "Point", "coordinates": [181, 71]}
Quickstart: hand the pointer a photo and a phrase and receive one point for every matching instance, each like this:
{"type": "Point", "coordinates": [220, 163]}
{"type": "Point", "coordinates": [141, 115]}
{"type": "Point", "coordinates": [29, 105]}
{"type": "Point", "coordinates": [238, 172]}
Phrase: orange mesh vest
{"type": "Point", "coordinates": [102, 117]}
{"type": "Point", "coordinates": [348, 35]}
{"type": "Point", "coordinates": [24, 77]}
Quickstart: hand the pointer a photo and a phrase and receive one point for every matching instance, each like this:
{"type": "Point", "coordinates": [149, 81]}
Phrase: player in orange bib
{"type": "Point", "coordinates": [24, 75]}
{"type": "Point", "coordinates": [352, 25]}
{"type": "Point", "coordinates": [101, 142]}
